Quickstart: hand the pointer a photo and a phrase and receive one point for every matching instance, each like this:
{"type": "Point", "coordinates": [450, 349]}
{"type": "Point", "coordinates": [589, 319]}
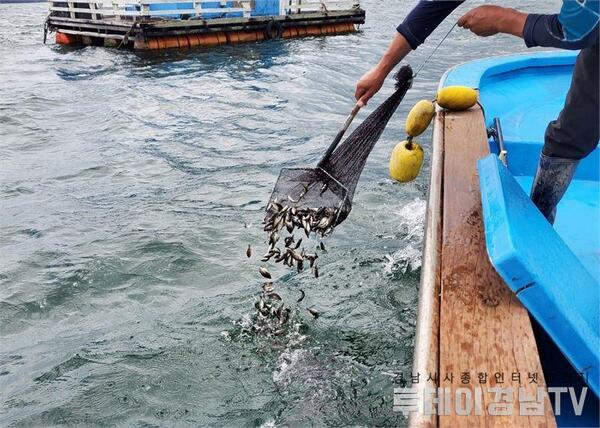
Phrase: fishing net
{"type": "Point", "coordinates": [348, 160]}
{"type": "Point", "coordinates": [323, 195]}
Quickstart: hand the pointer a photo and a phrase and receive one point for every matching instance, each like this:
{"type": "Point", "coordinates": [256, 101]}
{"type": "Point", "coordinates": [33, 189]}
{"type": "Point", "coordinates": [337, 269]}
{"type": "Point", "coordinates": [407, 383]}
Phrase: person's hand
{"type": "Point", "coordinates": [483, 20]}
{"type": "Point", "coordinates": [369, 85]}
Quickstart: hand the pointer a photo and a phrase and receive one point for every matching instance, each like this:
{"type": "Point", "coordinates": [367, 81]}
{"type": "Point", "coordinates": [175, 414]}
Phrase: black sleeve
{"type": "Point", "coordinates": [424, 18]}
{"type": "Point", "coordinates": [546, 31]}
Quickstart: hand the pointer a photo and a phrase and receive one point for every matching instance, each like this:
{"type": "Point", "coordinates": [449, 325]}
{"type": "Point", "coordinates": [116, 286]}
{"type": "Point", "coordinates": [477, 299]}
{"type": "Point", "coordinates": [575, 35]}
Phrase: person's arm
{"type": "Point", "coordinates": [489, 20]}
{"type": "Point", "coordinates": [546, 31]}
{"type": "Point", "coordinates": [412, 32]}
{"type": "Point", "coordinates": [536, 30]}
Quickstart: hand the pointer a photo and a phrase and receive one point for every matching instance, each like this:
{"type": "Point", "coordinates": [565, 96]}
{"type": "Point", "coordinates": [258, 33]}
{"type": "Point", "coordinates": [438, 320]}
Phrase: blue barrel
{"type": "Point", "coordinates": [266, 8]}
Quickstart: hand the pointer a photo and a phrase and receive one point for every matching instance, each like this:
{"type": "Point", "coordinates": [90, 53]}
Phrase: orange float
{"type": "Point", "coordinates": [229, 37]}
{"type": "Point", "coordinates": [67, 39]}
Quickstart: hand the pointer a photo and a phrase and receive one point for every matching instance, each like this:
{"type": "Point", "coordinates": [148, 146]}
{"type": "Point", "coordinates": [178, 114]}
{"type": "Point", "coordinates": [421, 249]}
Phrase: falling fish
{"type": "Point", "coordinates": [316, 271]}
{"type": "Point", "coordinates": [268, 287]}
{"type": "Point", "coordinates": [301, 296]}
{"type": "Point", "coordinates": [274, 296]}
{"type": "Point", "coordinates": [249, 251]}
{"type": "Point", "coordinates": [313, 312]}
{"type": "Point", "coordinates": [322, 246]}
{"type": "Point", "coordinates": [264, 272]}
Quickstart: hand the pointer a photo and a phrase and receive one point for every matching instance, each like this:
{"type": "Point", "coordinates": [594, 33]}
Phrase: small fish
{"type": "Point", "coordinates": [274, 296]}
{"type": "Point", "coordinates": [311, 258]}
{"type": "Point", "coordinates": [322, 246]}
{"type": "Point", "coordinates": [300, 266]}
{"type": "Point", "coordinates": [298, 244]}
{"type": "Point", "coordinates": [268, 287]}
{"type": "Point", "coordinates": [313, 312]}
{"type": "Point", "coordinates": [273, 238]}
{"type": "Point", "coordinates": [323, 188]}
{"type": "Point", "coordinates": [278, 224]}
{"type": "Point", "coordinates": [249, 251]}
{"type": "Point", "coordinates": [302, 295]}
{"type": "Point", "coordinates": [264, 272]}
{"type": "Point", "coordinates": [285, 316]}
{"type": "Point", "coordinates": [289, 240]}
{"type": "Point", "coordinates": [291, 200]}
{"type": "Point", "coordinates": [323, 223]}
{"type": "Point", "coordinates": [296, 255]}
{"type": "Point", "coordinates": [316, 272]}
{"type": "Point", "coordinates": [289, 226]}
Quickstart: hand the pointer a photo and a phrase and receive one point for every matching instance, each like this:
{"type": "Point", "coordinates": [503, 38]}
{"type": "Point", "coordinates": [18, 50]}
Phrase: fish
{"type": "Point", "coordinates": [313, 312]}
{"type": "Point", "coordinates": [316, 271]}
{"type": "Point", "coordinates": [295, 255]}
{"type": "Point", "coordinates": [288, 240]}
{"type": "Point", "coordinates": [249, 251]}
{"type": "Point", "coordinates": [322, 246]}
{"type": "Point", "coordinates": [264, 272]}
{"type": "Point", "coordinates": [268, 287]}
{"type": "Point", "coordinates": [273, 238]}
{"type": "Point", "coordinates": [311, 258]}
{"type": "Point", "coordinates": [302, 295]}
{"type": "Point", "coordinates": [274, 296]}
{"type": "Point", "coordinates": [298, 244]}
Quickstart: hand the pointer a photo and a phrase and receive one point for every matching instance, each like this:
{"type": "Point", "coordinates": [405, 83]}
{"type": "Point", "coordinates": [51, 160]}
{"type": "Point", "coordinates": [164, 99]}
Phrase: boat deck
{"type": "Point", "coordinates": [577, 219]}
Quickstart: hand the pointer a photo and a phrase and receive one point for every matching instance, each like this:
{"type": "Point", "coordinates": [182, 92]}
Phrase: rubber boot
{"type": "Point", "coordinates": [551, 180]}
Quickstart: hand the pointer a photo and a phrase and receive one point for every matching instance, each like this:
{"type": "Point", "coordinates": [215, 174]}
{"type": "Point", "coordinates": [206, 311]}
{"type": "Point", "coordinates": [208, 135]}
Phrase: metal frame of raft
{"type": "Point", "coordinates": [165, 24]}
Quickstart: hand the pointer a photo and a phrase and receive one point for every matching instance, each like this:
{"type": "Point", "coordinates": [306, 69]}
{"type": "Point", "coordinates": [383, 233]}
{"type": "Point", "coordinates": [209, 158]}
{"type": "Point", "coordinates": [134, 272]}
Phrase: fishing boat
{"type": "Point", "coordinates": [165, 24]}
{"type": "Point", "coordinates": [508, 304]}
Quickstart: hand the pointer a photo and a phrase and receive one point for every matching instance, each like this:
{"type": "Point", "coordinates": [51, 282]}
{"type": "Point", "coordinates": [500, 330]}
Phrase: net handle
{"type": "Point", "coordinates": [339, 135]}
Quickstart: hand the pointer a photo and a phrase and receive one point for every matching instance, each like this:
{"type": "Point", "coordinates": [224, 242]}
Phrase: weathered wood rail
{"type": "Point", "coordinates": [469, 322]}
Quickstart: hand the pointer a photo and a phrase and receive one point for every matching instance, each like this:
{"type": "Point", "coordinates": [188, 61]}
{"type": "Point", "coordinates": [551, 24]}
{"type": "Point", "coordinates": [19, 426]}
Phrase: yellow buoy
{"type": "Point", "coordinates": [406, 161]}
{"type": "Point", "coordinates": [419, 118]}
{"type": "Point", "coordinates": [456, 97]}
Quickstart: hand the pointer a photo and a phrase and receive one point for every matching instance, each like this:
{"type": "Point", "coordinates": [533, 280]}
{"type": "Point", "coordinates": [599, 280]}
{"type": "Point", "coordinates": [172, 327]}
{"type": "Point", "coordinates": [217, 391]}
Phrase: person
{"type": "Point", "coordinates": [569, 138]}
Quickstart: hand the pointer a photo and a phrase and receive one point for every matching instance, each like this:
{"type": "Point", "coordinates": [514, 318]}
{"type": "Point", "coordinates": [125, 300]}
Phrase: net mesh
{"type": "Point", "coordinates": [348, 160]}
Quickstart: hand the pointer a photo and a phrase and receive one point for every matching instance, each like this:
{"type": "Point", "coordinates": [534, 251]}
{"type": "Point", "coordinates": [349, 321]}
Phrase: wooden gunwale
{"type": "Point", "coordinates": [468, 320]}
{"type": "Point", "coordinates": [426, 351]}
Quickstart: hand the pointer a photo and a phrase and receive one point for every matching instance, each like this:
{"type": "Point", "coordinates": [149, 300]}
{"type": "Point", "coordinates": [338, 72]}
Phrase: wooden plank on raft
{"type": "Point", "coordinates": [484, 330]}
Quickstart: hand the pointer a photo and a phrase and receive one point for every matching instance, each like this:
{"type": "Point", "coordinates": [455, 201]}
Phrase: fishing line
{"type": "Point", "coordinates": [434, 50]}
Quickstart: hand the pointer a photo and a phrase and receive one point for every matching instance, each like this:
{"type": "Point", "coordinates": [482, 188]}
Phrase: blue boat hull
{"type": "Point", "coordinates": [555, 272]}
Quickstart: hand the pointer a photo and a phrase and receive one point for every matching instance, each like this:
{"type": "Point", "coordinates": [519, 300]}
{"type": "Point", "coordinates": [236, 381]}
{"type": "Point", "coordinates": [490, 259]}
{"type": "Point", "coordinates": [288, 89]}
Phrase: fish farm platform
{"type": "Point", "coordinates": [165, 24]}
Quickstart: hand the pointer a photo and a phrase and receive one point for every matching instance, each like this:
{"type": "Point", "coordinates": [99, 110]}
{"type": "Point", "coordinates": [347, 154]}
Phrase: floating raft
{"type": "Point", "coordinates": [167, 24]}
